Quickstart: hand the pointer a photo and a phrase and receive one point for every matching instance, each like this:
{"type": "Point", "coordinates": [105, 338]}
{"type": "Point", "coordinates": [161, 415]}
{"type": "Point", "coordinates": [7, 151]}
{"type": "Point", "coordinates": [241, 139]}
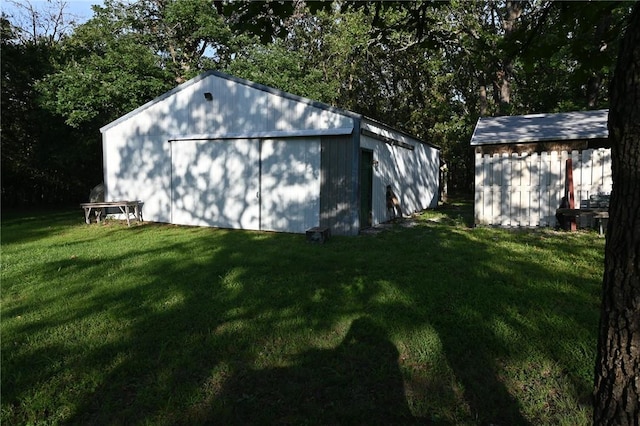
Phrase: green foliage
{"type": "Point", "coordinates": [43, 160]}
{"type": "Point", "coordinates": [262, 19]}
{"type": "Point", "coordinates": [105, 70]}
{"type": "Point", "coordinates": [430, 68]}
{"type": "Point", "coordinates": [182, 33]}
{"type": "Point", "coordinates": [333, 45]}
{"type": "Point", "coordinates": [102, 85]}
{"type": "Point", "coordinates": [277, 66]}
{"type": "Point", "coordinates": [578, 45]}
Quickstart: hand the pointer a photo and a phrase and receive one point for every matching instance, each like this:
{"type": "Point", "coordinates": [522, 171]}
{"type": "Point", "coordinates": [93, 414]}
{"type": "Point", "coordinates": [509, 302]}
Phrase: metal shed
{"type": "Point", "coordinates": [521, 165]}
{"type": "Point", "coordinates": [227, 152]}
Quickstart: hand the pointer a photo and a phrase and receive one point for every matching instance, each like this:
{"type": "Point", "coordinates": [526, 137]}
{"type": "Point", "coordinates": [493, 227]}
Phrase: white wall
{"type": "Point", "coordinates": [290, 184]}
{"type": "Point", "coordinates": [138, 167]}
{"type": "Point", "coordinates": [271, 184]}
{"type": "Point", "coordinates": [216, 183]}
{"type": "Point", "coordinates": [526, 189]}
{"type": "Point", "coordinates": [412, 174]}
{"type": "Point", "coordinates": [137, 151]}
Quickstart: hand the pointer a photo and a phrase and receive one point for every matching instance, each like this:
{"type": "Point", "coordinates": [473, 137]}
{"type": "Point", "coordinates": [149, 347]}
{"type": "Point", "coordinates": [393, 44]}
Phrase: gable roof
{"type": "Point", "coordinates": [236, 80]}
{"type": "Point", "coordinates": [578, 125]}
{"type": "Point", "coordinates": [263, 88]}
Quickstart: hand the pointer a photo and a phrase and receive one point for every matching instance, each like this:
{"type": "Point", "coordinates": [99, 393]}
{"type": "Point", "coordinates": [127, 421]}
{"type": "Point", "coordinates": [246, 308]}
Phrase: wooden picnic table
{"type": "Point", "coordinates": [601, 215]}
{"type": "Point", "coordinates": [126, 207]}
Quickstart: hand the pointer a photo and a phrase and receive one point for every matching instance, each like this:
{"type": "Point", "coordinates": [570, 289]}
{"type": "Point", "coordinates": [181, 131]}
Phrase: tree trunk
{"type": "Point", "coordinates": [617, 370]}
{"type": "Point", "coordinates": [484, 104]}
{"type": "Point", "coordinates": [503, 76]}
{"type": "Point", "coordinates": [598, 47]}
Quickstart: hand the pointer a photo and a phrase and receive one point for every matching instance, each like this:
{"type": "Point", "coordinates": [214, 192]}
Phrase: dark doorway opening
{"type": "Point", "coordinates": [366, 188]}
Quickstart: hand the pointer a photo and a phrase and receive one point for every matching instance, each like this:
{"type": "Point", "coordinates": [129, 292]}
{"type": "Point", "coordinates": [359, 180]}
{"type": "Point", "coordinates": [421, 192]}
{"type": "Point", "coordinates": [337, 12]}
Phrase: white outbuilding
{"type": "Point", "coordinates": [226, 152]}
{"type": "Point", "coordinates": [521, 165]}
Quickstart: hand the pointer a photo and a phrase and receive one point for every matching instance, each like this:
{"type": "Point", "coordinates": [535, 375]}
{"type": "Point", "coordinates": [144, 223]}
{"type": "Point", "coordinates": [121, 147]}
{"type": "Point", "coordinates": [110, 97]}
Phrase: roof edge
{"type": "Point", "coordinates": [570, 138]}
{"type": "Point", "coordinates": [282, 93]}
{"type": "Point", "coordinates": [264, 134]}
{"type": "Point", "coordinates": [238, 80]}
{"type": "Point", "coordinates": [592, 133]}
{"type": "Point", "coordinates": [396, 130]}
{"type": "Point", "coordinates": [154, 101]}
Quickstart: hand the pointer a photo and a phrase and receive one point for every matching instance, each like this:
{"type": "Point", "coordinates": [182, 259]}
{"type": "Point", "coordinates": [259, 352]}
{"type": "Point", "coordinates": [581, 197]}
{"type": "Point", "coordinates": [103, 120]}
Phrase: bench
{"type": "Point", "coordinates": [595, 209]}
{"type": "Point", "coordinates": [600, 216]}
{"type": "Point", "coordinates": [126, 207]}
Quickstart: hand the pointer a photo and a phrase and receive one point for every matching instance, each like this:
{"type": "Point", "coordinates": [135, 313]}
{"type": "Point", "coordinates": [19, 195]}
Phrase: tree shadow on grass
{"type": "Point", "coordinates": [22, 227]}
{"type": "Point", "coordinates": [511, 314]}
{"type": "Point", "coordinates": [180, 323]}
{"type": "Point", "coordinates": [358, 382]}
{"type": "Point", "coordinates": [181, 341]}
{"type": "Point", "coordinates": [455, 212]}
{"type": "Point", "coordinates": [476, 368]}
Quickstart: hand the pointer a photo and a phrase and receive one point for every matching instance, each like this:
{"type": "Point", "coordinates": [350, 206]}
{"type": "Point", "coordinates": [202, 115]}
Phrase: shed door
{"type": "Point", "coordinates": [215, 183]}
{"type": "Point", "coordinates": [366, 188]}
{"type": "Point", "coordinates": [290, 184]}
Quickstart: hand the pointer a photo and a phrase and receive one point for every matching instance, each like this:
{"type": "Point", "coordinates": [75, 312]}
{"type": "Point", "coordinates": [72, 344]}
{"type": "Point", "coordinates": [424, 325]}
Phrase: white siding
{"type": "Point", "coordinates": [526, 189]}
{"type": "Point", "coordinates": [290, 184]}
{"type": "Point", "coordinates": [412, 174]}
{"type": "Point", "coordinates": [248, 158]}
{"type": "Point", "coordinates": [138, 167]}
{"type": "Point", "coordinates": [236, 110]}
{"type": "Point", "coordinates": [215, 183]}
{"type": "Point", "coordinates": [271, 185]}
{"type": "Point", "coordinates": [137, 148]}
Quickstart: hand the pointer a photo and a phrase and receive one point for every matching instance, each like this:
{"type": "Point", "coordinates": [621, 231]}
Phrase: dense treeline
{"type": "Point", "coordinates": [430, 68]}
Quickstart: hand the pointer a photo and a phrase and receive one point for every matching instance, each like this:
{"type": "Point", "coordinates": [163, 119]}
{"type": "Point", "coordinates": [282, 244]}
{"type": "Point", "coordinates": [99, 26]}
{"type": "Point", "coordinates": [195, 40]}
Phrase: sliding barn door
{"type": "Point", "coordinates": [290, 184]}
{"type": "Point", "coordinates": [215, 183]}
{"type": "Point", "coordinates": [273, 184]}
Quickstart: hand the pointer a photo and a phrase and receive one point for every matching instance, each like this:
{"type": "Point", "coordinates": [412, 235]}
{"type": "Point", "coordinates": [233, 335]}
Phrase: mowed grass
{"type": "Point", "coordinates": [436, 323]}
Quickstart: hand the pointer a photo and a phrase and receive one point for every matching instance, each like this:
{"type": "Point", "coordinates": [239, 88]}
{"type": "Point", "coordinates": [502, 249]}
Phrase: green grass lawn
{"type": "Point", "coordinates": [159, 324]}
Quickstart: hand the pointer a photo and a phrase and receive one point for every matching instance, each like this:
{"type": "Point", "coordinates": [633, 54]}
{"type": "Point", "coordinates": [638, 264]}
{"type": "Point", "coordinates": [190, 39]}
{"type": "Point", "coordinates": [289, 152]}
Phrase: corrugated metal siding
{"type": "Point", "coordinates": [137, 154]}
{"type": "Point", "coordinates": [216, 183]}
{"type": "Point", "coordinates": [412, 174]}
{"type": "Point", "coordinates": [237, 107]}
{"type": "Point", "coordinates": [138, 167]}
{"type": "Point", "coordinates": [139, 164]}
{"type": "Point", "coordinates": [522, 189]}
{"type": "Point", "coordinates": [234, 110]}
{"type": "Point", "coordinates": [290, 184]}
{"type": "Point", "coordinates": [338, 188]}
{"type": "Point", "coordinates": [271, 184]}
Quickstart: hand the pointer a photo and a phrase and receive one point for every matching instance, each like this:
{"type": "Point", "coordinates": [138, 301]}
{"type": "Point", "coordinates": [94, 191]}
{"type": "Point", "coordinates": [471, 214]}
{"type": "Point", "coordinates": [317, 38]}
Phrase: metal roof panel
{"type": "Point", "coordinates": [541, 127]}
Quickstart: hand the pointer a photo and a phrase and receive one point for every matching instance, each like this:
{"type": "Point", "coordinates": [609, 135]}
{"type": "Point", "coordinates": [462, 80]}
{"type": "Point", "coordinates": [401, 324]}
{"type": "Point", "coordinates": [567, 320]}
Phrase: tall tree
{"type": "Point", "coordinates": [33, 21]}
{"type": "Point", "coordinates": [428, 67]}
{"type": "Point", "coordinates": [43, 160]}
{"type": "Point", "coordinates": [617, 370]}
{"type": "Point", "coordinates": [180, 33]}
{"type": "Point", "coordinates": [130, 52]}
{"type": "Point", "coordinates": [105, 69]}
{"type": "Point", "coordinates": [569, 51]}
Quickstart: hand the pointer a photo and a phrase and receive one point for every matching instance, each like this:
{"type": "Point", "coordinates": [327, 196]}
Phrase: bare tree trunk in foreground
{"type": "Point", "coordinates": [617, 370]}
